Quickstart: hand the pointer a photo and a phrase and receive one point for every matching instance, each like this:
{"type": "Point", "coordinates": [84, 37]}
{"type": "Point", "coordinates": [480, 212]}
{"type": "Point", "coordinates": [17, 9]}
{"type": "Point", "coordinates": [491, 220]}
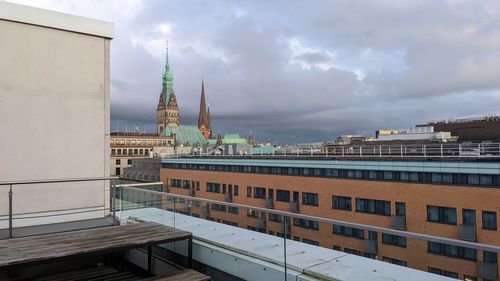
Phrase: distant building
{"type": "Point", "coordinates": [423, 133]}
{"type": "Point", "coordinates": [470, 129]}
{"type": "Point", "coordinates": [168, 115]}
{"type": "Point", "coordinates": [126, 146]}
{"type": "Point", "coordinates": [204, 122]}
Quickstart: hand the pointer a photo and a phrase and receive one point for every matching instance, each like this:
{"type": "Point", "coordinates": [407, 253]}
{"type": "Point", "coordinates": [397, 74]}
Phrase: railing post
{"type": "Point", "coordinates": [342, 151]}
{"type": "Point", "coordinates": [441, 151]}
{"type": "Point", "coordinates": [380, 150]}
{"type": "Point", "coordinates": [424, 151]}
{"type": "Point", "coordinates": [113, 202]}
{"type": "Point", "coordinates": [401, 151]}
{"type": "Point", "coordinates": [361, 151]}
{"type": "Point", "coordinates": [10, 211]}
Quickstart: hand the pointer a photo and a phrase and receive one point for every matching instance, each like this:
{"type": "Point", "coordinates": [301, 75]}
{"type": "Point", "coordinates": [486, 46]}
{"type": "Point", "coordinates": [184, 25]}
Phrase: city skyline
{"type": "Point", "coordinates": [333, 69]}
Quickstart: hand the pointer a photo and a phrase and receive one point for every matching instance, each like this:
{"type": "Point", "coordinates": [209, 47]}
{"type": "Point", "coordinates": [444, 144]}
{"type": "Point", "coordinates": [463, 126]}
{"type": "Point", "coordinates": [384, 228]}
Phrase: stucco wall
{"type": "Point", "coordinates": [54, 118]}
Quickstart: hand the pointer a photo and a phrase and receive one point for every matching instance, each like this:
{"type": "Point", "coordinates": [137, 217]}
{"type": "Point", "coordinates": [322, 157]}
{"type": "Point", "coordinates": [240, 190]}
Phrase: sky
{"type": "Point", "coordinates": [301, 71]}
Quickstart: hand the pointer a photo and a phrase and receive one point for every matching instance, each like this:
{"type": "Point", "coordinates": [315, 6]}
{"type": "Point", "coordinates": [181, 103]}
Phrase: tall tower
{"type": "Point", "coordinates": [204, 122]}
{"type": "Point", "coordinates": [167, 111]}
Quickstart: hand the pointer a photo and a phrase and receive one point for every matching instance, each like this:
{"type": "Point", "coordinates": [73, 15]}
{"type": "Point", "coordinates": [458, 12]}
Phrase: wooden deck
{"type": "Point", "coordinates": [51, 247]}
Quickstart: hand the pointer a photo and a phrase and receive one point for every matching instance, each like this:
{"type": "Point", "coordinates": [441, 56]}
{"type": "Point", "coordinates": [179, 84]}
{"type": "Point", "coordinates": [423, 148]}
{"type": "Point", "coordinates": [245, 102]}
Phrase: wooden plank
{"type": "Point", "coordinates": [65, 244]}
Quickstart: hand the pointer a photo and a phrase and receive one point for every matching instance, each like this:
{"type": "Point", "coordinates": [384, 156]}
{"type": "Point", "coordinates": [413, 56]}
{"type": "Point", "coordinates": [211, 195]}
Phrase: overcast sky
{"type": "Point", "coordinates": [302, 70]}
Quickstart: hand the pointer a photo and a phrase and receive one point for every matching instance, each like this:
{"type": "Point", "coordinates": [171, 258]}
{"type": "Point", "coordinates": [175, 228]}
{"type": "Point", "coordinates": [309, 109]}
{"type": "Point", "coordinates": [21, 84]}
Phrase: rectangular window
{"type": "Point", "coordinates": [452, 251]}
{"type": "Point", "coordinates": [259, 192]}
{"type": "Point", "coordinates": [341, 203]}
{"type": "Point", "coordinates": [186, 184]}
{"type": "Point", "coordinates": [275, 217]}
{"type": "Point", "coordinates": [129, 161]}
{"type": "Point", "coordinates": [443, 215]}
{"type": "Point", "coordinates": [175, 183]}
{"type": "Point", "coordinates": [310, 242]}
{"type": "Point", "coordinates": [353, 251]}
{"type": "Point", "coordinates": [376, 207]}
{"type": "Point", "coordinates": [283, 195]}
{"type": "Point", "coordinates": [349, 231]}
{"type": "Point", "coordinates": [394, 261]}
{"type": "Point", "coordinates": [249, 191]}
{"type": "Point", "coordinates": [489, 220]}
{"type": "Point", "coordinates": [337, 248]}
{"type": "Point", "coordinates": [213, 187]}
{"type": "Point", "coordinates": [253, 213]}
{"type": "Point", "coordinates": [236, 190]}
{"type": "Point", "coordinates": [443, 272]}
{"type": "Point", "coordinates": [394, 240]}
{"type": "Point", "coordinates": [218, 207]}
{"type": "Point", "coordinates": [309, 224]}
{"type": "Point", "coordinates": [118, 161]}
{"type": "Point", "coordinates": [233, 210]}
{"type": "Point", "coordinates": [310, 199]}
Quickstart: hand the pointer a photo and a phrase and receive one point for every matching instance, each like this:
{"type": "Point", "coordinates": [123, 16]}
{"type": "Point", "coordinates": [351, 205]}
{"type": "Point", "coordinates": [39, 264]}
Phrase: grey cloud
{"type": "Point", "coordinates": [397, 63]}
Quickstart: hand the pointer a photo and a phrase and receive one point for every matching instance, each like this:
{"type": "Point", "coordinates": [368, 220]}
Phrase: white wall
{"type": "Point", "coordinates": [54, 111]}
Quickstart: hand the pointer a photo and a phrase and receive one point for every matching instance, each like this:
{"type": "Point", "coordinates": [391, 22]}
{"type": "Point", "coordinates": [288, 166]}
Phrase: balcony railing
{"type": "Point", "coordinates": [294, 207]}
{"type": "Point", "coordinates": [468, 232]}
{"type": "Point", "coordinates": [12, 216]}
{"type": "Point", "coordinates": [228, 197]}
{"type": "Point", "coordinates": [371, 246]}
{"type": "Point", "coordinates": [488, 270]}
{"type": "Point", "coordinates": [269, 203]}
{"type": "Point", "coordinates": [433, 150]}
{"type": "Point", "coordinates": [168, 200]}
{"type": "Point", "coordinates": [399, 222]}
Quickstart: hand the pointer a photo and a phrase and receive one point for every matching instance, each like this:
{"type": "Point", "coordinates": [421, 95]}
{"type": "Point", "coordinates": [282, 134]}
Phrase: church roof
{"type": "Point", "coordinates": [185, 135]}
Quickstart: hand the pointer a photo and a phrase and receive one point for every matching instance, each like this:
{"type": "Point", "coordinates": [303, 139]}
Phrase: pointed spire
{"type": "Point", "coordinates": [209, 121]}
{"type": "Point", "coordinates": [202, 117]}
{"type": "Point", "coordinates": [168, 78]}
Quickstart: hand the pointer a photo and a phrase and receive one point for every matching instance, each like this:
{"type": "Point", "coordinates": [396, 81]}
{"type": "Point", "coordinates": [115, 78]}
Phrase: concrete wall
{"type": "Point", "coordinates": [54, 112]}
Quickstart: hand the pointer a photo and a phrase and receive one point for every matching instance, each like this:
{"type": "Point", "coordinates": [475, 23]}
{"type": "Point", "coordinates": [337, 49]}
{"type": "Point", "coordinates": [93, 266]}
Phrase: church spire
{"type": "Point", "coordinates": [202, 117]}
{"type": "Point", "coordinates": [168, 77]}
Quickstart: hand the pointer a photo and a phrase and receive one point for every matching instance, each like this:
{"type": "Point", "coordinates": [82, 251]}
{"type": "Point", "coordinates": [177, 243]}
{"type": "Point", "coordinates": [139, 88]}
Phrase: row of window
{"type": "Point", "coordinates": [417, 177]}
{"type": "Point", "coordinates": [119, 162]}
{"type": "Point", "coordinates": [130, 151]}
{"type": "Point", "coordinates": [186, 184]}
{"type": "Point", "coordinates": [139, 142]}
{"type": "Point", "coordinates": [447, 215]}
{"type": "Point", "coordinates": [226, 188]}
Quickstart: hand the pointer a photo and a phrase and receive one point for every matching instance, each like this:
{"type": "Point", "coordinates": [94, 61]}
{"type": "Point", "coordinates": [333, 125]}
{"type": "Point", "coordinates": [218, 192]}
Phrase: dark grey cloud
{"type": "Point", "coordinates": [302, 70]}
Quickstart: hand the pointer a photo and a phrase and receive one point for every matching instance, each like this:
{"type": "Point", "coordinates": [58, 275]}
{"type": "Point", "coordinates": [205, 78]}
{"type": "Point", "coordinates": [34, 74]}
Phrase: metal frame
{"type": "Point", "coordinates": [28, 182]}
{"type": "Point", "coordinates": [407, 234]}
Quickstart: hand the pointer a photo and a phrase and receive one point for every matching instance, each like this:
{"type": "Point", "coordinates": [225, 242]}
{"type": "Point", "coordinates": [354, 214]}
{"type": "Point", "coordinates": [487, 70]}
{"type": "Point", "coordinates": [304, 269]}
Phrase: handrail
{"type": "Point", "coordinates": [408, 234]}
{"type": "Point", "coordinates": [27, 182]}
{"type": "Point", "coordinates": [56, 180]}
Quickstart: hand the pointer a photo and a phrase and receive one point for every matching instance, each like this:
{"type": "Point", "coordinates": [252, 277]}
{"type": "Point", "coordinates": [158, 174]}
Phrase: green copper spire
{"type": "Point", "coordinates": [168, 78]}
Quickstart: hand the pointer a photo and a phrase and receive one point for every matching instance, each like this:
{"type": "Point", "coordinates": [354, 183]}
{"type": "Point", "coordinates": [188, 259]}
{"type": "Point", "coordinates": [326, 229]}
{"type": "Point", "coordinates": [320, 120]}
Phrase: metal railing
{"type": "Point", "coordinates": [373, 151]}
{"type": "Point", "coordinates": [12, 184]}
{"type": "Point", "coordinates": [177, 198]}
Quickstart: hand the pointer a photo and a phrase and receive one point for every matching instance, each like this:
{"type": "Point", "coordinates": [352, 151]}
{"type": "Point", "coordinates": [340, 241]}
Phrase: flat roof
{"type": "Point", "coordinates": [490, 168]}
{"type": "Point", "coordinates": [314, 261]}
{"type": "Point", "coordinates": [56, 20]}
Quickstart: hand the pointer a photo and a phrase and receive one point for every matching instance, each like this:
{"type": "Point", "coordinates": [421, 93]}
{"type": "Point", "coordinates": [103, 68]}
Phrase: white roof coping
{"type": "Point", "coordinates": [56, 20]}
{"type": "Point", "coordinates": [313, 261]}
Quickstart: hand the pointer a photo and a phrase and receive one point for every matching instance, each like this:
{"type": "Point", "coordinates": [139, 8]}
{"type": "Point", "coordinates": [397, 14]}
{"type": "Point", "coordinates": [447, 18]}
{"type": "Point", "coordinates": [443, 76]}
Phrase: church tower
{"type": "Point", "coordinates": [167, 111]}
{"type": "Point", "coordinates": [204, 122]}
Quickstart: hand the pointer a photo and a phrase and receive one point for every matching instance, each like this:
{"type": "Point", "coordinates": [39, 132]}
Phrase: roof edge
{"type": "Point", "coordinates": [56, 20]}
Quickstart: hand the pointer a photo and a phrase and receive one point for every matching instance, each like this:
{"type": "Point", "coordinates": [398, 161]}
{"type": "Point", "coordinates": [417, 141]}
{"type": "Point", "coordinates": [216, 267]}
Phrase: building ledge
{"type": "Point", "coordinates": [305, 262]}
{"type": "Point", "coordinates": [55, 20]}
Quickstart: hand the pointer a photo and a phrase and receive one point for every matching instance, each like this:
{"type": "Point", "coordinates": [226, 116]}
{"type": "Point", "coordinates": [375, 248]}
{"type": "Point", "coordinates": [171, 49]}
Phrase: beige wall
{"type": "Point", "coordinates": [54, 114]}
